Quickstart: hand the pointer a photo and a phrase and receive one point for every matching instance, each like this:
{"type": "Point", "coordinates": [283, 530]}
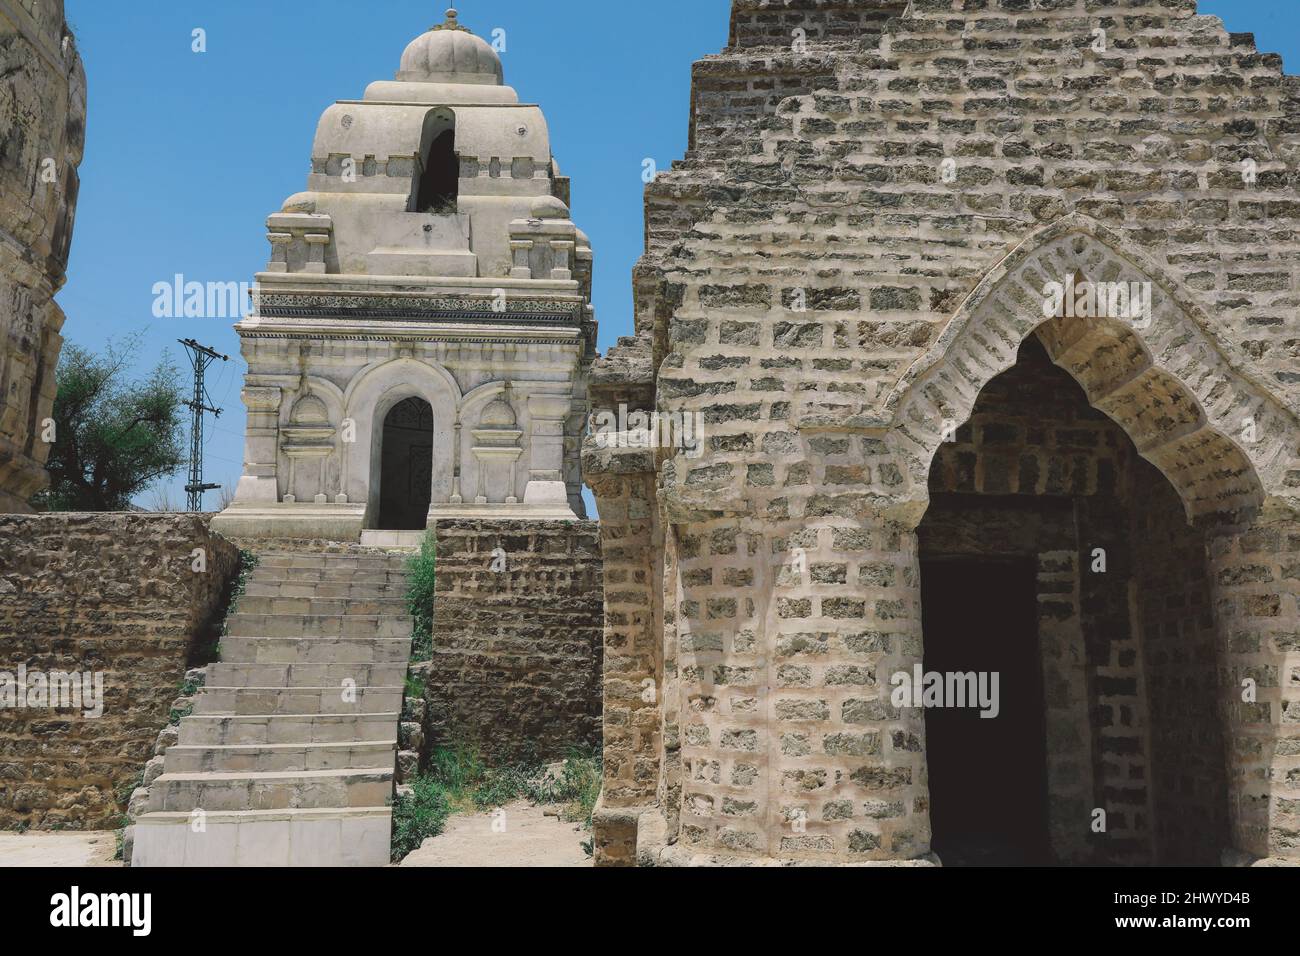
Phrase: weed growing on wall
{"type": "Point", "coordinates": [420, 575]}
{"type": "Point", "coordinates": [247, 563]}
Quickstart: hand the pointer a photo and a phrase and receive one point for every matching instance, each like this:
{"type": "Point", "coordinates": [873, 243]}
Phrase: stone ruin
{"type": "Point", "coordinates": [964, 368]}
{"type": "Point", "coordinates": [43, 106]}
{"type": "Point", "coordinates": [986, 311]}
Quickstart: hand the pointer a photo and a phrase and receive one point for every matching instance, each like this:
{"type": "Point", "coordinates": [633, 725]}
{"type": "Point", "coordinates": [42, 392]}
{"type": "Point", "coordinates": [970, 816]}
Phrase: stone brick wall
{"type": "Point", "coordinates": [855, 244]}
{"type": "Point", "coordinates": [1180, 656]}
{"type": "Point", "coordinates": [114, 594]}
{"type": "Point", "coordinates": [1255, 586]}
{"type": "Point", "coordinates": [636, 730]}
{"type": "Point", "coordinates": [516, 652]}
{"type": "Point", "coordinates": [43, 101]}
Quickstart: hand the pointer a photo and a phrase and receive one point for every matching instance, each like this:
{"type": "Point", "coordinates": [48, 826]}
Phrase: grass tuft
{"type": "Point", "coordinates": [418, 815]}
{"type": "Point", "coordinates": [458, 781]}
{"type": "Point", "coordinates": [421, 572]}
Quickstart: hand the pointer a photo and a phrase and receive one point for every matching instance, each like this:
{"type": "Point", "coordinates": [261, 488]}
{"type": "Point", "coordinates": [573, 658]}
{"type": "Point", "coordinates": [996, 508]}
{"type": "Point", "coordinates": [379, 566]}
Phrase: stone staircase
{"type": "Point", "coordinates": [290, 751]}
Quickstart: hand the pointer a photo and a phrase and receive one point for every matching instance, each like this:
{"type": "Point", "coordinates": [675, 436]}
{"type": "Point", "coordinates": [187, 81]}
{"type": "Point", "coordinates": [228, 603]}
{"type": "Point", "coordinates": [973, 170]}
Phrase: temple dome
{"type": "Point", "coordinates": [449, 53]}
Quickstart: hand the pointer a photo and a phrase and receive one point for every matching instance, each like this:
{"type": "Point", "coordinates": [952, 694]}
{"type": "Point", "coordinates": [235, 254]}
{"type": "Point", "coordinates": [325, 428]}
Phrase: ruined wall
{"type": "Point", "coordinates": [517, 651]}
{"type": "Point", "coordinates": [855, 243]}
{"type": "Point", "coordinates": [111, 594]}
{"type": "Point", "coordinates": [42, 134]}
{"type": "Point", "coordinates": [831, 194]}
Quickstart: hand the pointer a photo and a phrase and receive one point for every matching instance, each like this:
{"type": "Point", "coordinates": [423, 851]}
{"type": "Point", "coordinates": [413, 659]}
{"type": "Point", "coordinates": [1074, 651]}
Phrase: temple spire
{"type": "Point", "coordinates": [452, 23]}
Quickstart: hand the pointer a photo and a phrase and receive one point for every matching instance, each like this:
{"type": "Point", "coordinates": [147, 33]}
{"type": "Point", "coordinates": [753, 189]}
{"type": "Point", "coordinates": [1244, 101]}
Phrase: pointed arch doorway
{"type": "Point", "coordinates": [1054, 557]}
{"type": "Point", "coordinates": [1199, 547]}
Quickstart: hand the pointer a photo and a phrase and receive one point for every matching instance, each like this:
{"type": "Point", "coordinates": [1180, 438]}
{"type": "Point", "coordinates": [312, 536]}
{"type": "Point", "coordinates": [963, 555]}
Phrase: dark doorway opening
{"type": "Point", "coordinates": [406, 478]}
{"type": "Point", "coordinates": [988, 775]}
{"type": "Point", "coordinates": [440, 179]}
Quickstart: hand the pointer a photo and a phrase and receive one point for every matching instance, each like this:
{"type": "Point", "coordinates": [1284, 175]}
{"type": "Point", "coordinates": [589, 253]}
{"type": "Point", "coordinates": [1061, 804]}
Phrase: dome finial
{"type": "Point", "coordinates": [452, 22]}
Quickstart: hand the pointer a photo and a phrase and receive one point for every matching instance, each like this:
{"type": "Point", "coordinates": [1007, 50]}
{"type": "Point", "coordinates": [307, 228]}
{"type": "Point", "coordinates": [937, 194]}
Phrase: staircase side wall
{"type": "Point", "coordinates": [111, 596]}
{"type": "Point", "coordinates": [517, 638]}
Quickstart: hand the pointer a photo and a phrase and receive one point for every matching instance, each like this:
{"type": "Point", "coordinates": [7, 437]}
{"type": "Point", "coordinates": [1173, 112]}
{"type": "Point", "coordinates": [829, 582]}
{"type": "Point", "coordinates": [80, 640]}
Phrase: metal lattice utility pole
{"type": "Point", "coordinates": [200, 358]}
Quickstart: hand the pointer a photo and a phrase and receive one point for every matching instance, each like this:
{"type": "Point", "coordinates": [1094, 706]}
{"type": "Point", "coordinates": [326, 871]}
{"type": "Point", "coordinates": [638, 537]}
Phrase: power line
{"type": "Point", "coordinates": [200, 357]}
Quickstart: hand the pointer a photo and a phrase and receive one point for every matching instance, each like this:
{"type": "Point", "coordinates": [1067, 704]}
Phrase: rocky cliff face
{"type": "Point", "coordinates": [42, 134]}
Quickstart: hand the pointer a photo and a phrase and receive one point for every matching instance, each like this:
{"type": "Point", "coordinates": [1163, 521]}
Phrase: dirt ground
{"type": "Point", "coordinates": [40, 848]}
{"type": "Point", "coordinates": [529, 838]}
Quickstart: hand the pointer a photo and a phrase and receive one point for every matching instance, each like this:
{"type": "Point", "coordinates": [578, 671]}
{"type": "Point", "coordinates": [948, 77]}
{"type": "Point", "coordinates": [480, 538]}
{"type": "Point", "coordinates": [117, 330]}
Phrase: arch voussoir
{"type": "Point", "coordinates": [1223, 441]}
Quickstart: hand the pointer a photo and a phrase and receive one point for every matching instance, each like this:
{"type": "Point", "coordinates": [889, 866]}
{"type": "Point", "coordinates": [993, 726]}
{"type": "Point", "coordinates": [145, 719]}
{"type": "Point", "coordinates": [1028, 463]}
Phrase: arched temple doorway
{"type": "Point", "coordinates": [406, 476]}
{"type": "Point", "coordinates": [1168, 656]}
{"type": "Point", "coordinates": [1058, 567]}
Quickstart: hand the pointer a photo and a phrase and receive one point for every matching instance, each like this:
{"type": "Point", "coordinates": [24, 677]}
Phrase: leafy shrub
{"type": "Point", "coordinates": [118, 434]}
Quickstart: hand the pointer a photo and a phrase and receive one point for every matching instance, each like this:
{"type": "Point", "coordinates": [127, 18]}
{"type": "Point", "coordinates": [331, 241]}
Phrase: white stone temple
{"type": "Point", "coordinates": [420, 339]}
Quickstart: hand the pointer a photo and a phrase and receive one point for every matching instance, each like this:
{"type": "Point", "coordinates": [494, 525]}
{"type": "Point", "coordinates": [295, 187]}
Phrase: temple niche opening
{"type": "Point", "coordinates": [438, 181]}
{"type": "Point", "coordinates": [1054, 555]}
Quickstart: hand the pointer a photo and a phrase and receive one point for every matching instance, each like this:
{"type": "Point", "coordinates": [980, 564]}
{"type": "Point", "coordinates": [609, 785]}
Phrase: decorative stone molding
{"type": "Point", "coordinates": [298, 242]}
{"type": "Point", "coordinates": [531, 310]}
{"type": "Point", "coordinates": [496, 446]}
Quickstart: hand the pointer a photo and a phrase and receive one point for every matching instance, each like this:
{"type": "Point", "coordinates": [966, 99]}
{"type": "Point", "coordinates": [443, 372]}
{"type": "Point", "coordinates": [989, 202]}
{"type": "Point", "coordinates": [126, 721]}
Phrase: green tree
{"type": "Point", "coordinates": [113, 436]}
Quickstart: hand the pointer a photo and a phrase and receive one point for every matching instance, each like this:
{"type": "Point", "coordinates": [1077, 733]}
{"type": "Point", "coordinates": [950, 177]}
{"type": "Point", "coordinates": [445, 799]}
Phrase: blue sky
{"type": "Point", "coordinates": [188, 153]}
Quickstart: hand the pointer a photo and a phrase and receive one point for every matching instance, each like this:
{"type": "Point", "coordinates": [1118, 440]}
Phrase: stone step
{"type": "Point", "coordinates": [323, 607]}
{"type": "Point", "coordinates": [337, 699]}
{"type": "Point", "coordinates": [320, 650]}
{"type": "Point", "coordinates": [318, 576]}
{"type": "Point", "coordinates": [268, 758]}
{"type": "Point", "coordinates": [204, 730]}
{"type": "Point", "coordinates": [329, 837]}
{"type": "Point", "coordinates": [294, 790]}
{"type": "Point", "coordinates": [333, 562]}
{"type": "Point", "coordinates": [291, 751]}
{"type": "Point", "coordinates": [395, 540]}
{"type": "Point", "coordinates": [307, 589]}
{"type": "Point", "coordinates": [319, 625]}
{"type": "Point", "coordinates": [306, 675]}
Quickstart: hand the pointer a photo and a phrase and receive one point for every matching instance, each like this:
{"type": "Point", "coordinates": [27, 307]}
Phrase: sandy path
{"type": "Point", "coordinates": [529, 839]}
{"type": "Point", "coordinates": [43, 848]}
